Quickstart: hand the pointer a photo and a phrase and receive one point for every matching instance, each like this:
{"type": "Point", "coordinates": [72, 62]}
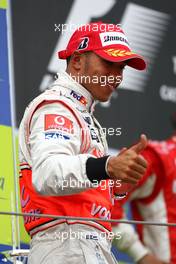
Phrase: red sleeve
{"type": "Point", "coordinates": [154, 166]}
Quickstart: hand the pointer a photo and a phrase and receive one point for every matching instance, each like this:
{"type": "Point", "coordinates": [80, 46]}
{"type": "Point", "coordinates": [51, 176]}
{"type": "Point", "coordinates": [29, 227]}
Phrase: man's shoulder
{"type": "Point", "coordinates": [47, 97]}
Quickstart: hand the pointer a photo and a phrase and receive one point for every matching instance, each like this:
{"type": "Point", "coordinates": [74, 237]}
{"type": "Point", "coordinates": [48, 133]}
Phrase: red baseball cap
{"type": "Point", "coordinates": [106, 40]}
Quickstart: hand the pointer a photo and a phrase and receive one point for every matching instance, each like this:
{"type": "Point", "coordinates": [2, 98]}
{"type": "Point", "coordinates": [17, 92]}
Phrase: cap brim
{"type": "Point", "coordinates": [132, 59]}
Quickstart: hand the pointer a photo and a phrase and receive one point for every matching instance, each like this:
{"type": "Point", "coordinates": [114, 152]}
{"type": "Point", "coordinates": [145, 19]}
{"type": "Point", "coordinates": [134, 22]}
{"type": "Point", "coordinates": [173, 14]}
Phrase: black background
{"type": "Point", "coordinates": [135, 112]}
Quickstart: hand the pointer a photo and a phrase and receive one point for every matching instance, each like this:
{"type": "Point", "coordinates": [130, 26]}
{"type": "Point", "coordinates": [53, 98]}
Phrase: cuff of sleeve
{"type": "Point", "coordinates": [120, 196]}
{"type": "Point", "coordinates": [96, 169]}
{"type": "Point", "coordinates": [106, 165]}
{"type": "Point", "coordinates": [137, 251]}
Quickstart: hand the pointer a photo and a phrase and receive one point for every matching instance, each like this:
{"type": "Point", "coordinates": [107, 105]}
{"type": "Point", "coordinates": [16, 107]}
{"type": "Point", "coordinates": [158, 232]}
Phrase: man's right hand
{"type": "Point", "coordinates": [150, 259]}
{"type": "Point", "coordinates": [129, 166]}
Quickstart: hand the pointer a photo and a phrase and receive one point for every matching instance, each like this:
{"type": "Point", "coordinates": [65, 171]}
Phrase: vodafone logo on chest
{"type": "Point", "coordinates": [54, 121]}
{"type": "Point", "coordinates": [111, 38]}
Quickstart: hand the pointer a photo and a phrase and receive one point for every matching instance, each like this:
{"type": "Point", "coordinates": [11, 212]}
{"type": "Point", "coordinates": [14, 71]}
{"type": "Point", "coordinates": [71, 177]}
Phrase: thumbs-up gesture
{"type": "Point", "coordinates": [129, 166]}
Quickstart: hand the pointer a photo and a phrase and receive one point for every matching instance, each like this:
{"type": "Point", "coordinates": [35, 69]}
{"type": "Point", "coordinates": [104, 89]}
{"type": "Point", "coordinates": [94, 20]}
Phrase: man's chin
{"type": "Point", "coordinates": [104, 99]}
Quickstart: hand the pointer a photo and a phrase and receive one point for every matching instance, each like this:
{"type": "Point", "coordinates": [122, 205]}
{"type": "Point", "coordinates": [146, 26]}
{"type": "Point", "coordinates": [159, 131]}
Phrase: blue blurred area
{"type": "Point", "coordinates": [3, 259]}
{"type": "Point", "coordinates": [5, 118]}
{"type": "Point", "coordinates": [120, 256]}
{"type": "Point", "coordinates": [5, 248]}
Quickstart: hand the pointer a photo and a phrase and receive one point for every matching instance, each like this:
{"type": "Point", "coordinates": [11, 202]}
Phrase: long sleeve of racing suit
{"type": "Point", "coordinates": [58, 168]}
{"type": "Point", "coordinates": [130, 242]}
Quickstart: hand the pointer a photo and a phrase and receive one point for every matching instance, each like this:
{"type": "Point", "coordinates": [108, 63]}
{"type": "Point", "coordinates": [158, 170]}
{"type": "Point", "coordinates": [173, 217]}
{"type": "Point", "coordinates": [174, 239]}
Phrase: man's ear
{"type": "Point", "coordinates": [76, 60]}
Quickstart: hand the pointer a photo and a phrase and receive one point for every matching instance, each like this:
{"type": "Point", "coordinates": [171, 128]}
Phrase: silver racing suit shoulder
{"type": "Point", "coordinates": [56, 158]}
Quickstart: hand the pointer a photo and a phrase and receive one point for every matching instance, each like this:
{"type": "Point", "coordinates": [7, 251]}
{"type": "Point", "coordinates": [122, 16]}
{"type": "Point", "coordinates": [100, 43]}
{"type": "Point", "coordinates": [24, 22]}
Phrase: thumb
{"type": "Point", "coordinates": [141, 145]}
{"type": "Point", "coordinates": [122, 150]}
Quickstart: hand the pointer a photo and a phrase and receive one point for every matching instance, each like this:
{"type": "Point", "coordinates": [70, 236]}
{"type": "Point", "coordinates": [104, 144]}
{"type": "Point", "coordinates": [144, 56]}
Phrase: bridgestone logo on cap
{"type": "Point", "coordinates": [110, 38]}
{"type": "Point", "coordinates": [83, 44]}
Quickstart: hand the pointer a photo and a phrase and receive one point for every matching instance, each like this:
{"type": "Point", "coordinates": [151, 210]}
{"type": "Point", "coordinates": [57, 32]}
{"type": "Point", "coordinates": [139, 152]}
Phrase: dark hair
{"type": "Point", "coordinates": [68, 60]}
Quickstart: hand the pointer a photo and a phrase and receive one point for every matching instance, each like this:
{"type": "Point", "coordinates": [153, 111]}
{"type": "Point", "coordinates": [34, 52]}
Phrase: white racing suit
{"type": "Point", "coordinates": [57, 135]}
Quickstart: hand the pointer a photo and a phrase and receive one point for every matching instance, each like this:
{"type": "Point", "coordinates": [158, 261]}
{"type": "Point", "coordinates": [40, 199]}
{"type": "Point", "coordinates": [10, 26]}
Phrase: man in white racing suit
{"type": "Point", "coordinates": [64, 166]}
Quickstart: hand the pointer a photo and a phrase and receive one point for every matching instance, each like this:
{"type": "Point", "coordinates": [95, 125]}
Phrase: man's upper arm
{"type": "Point", "coordinates": [55, 142]}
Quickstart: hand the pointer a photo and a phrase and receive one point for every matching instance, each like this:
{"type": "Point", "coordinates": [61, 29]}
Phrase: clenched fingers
{"type": "Point", "coordinates": [141, 161]}
{"type": "Point", "coordinates": [138, 168]}
{"type": "Point", "coordinates": [129, 179]}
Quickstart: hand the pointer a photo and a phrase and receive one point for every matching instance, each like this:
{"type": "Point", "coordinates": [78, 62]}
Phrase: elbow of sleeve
{"type": "Point", "coordinates": [54, 177]}
{"type": "Point", "coordinates": [41, 177]}
{"type": "Point", "coordinates": [48, 175]}
{"type": "Point", "coordinates": [37, 184]}
{"type": "Point", "coordinates": [46, 186]}
{"type": "Point", "coordinates": [60, 175]}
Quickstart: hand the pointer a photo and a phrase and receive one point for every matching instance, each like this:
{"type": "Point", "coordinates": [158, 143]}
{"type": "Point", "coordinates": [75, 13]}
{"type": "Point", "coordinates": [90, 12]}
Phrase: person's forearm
{"type": "Point", "coordinates": [61, 175]}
